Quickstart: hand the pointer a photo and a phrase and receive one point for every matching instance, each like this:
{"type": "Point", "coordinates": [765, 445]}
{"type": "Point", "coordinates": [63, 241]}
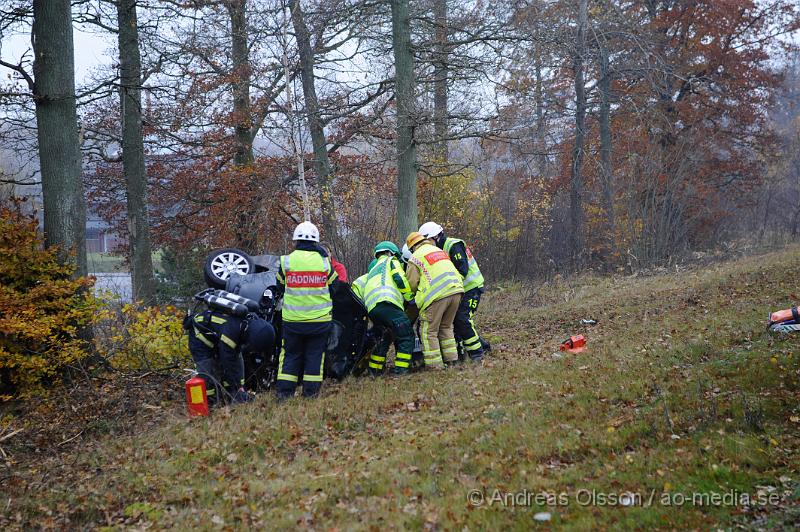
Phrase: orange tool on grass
{"type": "Point", "coordinates": [573, 344]}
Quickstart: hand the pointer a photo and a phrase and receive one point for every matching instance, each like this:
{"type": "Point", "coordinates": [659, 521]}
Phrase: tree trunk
{"type": "Point", "coordinates": [241, 73]}
{"type": "Point", "coordinates": [133, 163]}
{"type": "Point", "coordinates": [404, 102]}
{"type": "Point", "coordinates": [440, 74]}
{"type": "Point", "coordinates": [576, 178]}
{"type": "Point", "coordinates": [57, 130]}
{"type": "Point", "coordinates": [606, 171]}
{"type": "Point", "coordinates": [322, 166]}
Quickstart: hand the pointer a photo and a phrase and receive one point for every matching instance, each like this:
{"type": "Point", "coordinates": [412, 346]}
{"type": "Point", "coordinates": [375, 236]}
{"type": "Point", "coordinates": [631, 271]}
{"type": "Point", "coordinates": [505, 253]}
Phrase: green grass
{"type": "Point", "coordinates": [110, 263]}
{"type": "Point", "coordinates": [681, 391]}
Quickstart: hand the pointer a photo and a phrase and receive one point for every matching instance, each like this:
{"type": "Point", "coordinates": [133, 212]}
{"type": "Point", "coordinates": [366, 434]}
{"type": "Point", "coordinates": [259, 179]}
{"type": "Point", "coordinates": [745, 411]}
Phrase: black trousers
{"type": "Point", "coordinates": [464, 325]}
{"type": "Point", "coordinates": [208, 363]}
{"type": "Point", "coordinates": [302, 356]}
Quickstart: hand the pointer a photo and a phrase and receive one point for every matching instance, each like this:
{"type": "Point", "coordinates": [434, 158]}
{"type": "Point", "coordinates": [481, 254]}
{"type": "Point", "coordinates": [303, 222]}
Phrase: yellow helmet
{"type": "Point", "coordinates": [414, 238]}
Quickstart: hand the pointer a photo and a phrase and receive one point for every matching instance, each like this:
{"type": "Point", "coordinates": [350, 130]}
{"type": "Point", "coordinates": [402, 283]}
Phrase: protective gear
{"type": "Point", "coordinates": [430, 229]}
{"type": "Point", "coordinates": [358, 286]}
{"type": "Point", "coordinates": [438, 278]}
{"type": "Point", "coordinates": [307, 276]}
{"type": "Point", "coordinates": [474, 277]}
{"type": "Point", "coordinates": [215, 339]}
{"type": "Point", "coordinates": [307, 313]}
{"type": "Point", "coordinates": [302, 353]}
{"type": "Point", "coordinates": [306, 231]}
{"type": "Point", "coordinates": [388, 315]}
{"type": "Point", "coordinates": [259, 336]}
{"type": "Point", "coordinates": [372, 264]}
{"type": "Point", "coordinates": [240, 397]}
{"type": "Point", "coordinates": [436, 323]}
{"type": "Point", "coordinates": [438, 294]}
{"type": "Point", "coordinates": [406, 253]}
{"type": "Point", "coordinates": [413, 239]}
{"type": "Point", "coordinates": [386, 283]}
{"type": "Point", "coordinates": [464, 325]}
{"type": "Point", "coordinates": [386, 246]}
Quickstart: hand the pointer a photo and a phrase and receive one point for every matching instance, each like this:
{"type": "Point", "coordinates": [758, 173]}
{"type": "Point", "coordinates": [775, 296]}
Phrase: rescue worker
{"type": "Point", "coordinates": [467, 266]}
{"type": "Point", "coordinates": [217, 339]}
{"type": "Point", "coordinates": [385, 294]}
{"type": "Point", "coordinates": [438, 288]}
{"type": "Point", "coordinates": [305, 275]}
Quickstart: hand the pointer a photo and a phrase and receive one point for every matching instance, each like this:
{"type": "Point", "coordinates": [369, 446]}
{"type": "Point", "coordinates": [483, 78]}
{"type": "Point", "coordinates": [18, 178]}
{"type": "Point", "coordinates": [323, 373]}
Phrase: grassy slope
{"type": "Point", "coordinates": [680, 391]}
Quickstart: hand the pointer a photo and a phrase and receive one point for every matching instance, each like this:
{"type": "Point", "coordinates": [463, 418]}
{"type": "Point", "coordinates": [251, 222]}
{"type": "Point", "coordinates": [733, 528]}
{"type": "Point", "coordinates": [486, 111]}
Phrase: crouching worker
{"type": "Point", "coordinates": [438, 289]}
{"type": "Point", "coordinates": [217, 340]}
{"type": "Point", "coordinates": [305, 276]}
{"type": "Point", "coordinates": [385, 292]}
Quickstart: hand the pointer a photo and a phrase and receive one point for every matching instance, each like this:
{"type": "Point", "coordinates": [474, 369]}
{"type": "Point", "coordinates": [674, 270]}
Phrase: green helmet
{"type": "Point", "coordinates": [372, 265]}
{"type": "Point", "coordinates": [387, 246]}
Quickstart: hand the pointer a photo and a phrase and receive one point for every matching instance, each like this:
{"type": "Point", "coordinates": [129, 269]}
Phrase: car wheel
{"type": "Point", "coordinates": [222, 263]}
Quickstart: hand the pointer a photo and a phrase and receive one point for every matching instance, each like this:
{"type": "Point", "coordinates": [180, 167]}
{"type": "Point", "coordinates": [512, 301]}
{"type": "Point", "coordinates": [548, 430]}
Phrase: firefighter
{"type": "Point", "coordinates": [305, 276]}
{"type": "Point", "coordinates": [218, 339]}
{"type": "Point", "coordinates": [467, 266]}
{"type": "Point", "coordinates": [438, 288]}
{"type": "Point", "coordinates": [385, 294]}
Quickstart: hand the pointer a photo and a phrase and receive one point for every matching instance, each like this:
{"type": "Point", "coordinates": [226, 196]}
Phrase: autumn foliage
{"type": "Point", "coordinates": [42, 308]}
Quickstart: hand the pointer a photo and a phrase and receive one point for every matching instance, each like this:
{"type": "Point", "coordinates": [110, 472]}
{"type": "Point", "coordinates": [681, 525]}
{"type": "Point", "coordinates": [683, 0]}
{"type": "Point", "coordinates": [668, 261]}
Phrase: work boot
{"type": "Point", "coordinates": [476, 356]}
{"type": "Point", "coordinates": [241, 396]}
{"type": "Point", "coordinates": [375, 372]}
{"type": "Point", "coordinates": [486, 346]}
{"type": "Point", "coordinates": [399, 372]}
{"type": "Point", "coordinates": [453, 363]}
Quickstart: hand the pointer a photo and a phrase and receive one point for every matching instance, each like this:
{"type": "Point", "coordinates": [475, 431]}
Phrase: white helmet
{"type": "Point", "coordinates": [406, 253]}
{"type": "Point", "coordinates": [430, 229]}
{"type": "Point", "coordinates": [306, 231]}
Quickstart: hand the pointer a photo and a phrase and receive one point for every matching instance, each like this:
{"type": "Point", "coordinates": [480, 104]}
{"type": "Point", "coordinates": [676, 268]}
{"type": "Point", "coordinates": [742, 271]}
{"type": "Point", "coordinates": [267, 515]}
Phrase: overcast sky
{"type": "Point", "coordinates": [91, 51]}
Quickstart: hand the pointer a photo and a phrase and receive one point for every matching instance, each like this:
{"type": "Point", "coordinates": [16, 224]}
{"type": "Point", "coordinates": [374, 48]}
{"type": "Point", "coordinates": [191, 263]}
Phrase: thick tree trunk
{"type": "Point", "coordinates": [57, 130]}
{"type": "Point", "coordinates": [440, 75]}
{"type": "Point", "coordinates": [606, 170]}
{"type": "Point", "coordinates": [576, 177]}
{"type": "Point", "coordinates": [404, 102]}
{"type": "Point", "coordinates": [241, 73]}
{"type": "Point", "coordinates": [133, 162]}
{"type": "Point", "coordinates": [322, 166]}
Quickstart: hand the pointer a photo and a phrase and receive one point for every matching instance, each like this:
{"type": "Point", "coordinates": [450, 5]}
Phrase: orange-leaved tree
{"type": "Point", "coordinates": [42, 308]}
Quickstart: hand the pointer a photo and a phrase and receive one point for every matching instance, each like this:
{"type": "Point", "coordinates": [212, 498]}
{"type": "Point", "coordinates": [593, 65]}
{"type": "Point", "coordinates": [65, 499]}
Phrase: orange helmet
{"type": "Point", "coordinates": [414, 238]}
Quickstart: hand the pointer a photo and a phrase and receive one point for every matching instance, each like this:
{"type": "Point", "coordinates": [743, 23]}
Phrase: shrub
{"type": "Point", "coordinates": [150, 339]}
{"type": "Point", "coordinates": [42, 308]}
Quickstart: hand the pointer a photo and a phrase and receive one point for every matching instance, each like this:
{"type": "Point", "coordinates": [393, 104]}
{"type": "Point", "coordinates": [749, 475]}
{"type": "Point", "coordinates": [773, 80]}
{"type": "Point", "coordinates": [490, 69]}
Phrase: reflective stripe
{"type": "Point", "coordinates": [311, 291]}
{"type": "Point", "coordinates": [440, 283]}
{"type": "Point", "coordinates": [202, 338]}
{"type": "Point", "coordinates": [217, 319]}
{"type": "Point", "coordinates": [304, 308]}
{"type": "Point", "coordinates": [307, 276]}
{"type": "Point", "coordinates": [438, 279]}
{"type": "Point", "coordinates": [401, 364]}
{"type": "Point", "coordinates": [374, 365]}
{"type": "Point", "coordinates": [404, 356]}
{"type": "Point", "coordinates": [376, 358]}
{"type": "Point", "coordinates": [281, 375]}
{"type": "Point", "coordinates": [380, 285]}
{"type": "Point", "coordinates": [227, 341]}
{"type": "Point", "coordinates": [312, 378]}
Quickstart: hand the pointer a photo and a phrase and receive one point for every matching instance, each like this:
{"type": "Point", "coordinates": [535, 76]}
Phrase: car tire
{"type": "Point", "coordinates": [221, 263]}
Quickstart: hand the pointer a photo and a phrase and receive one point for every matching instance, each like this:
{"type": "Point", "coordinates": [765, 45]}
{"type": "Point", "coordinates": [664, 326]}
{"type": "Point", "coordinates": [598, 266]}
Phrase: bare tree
{"type": "Point", "coordinates": [133, 162]}
{"type": "Point", "coordinates": [405, 104]}
{"type": "Point", "coordinates": [322, 166]}
{"type": "Point", "coordinates": [576, 177]}
{"type": "Point", "coordinates": [57, 130]}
